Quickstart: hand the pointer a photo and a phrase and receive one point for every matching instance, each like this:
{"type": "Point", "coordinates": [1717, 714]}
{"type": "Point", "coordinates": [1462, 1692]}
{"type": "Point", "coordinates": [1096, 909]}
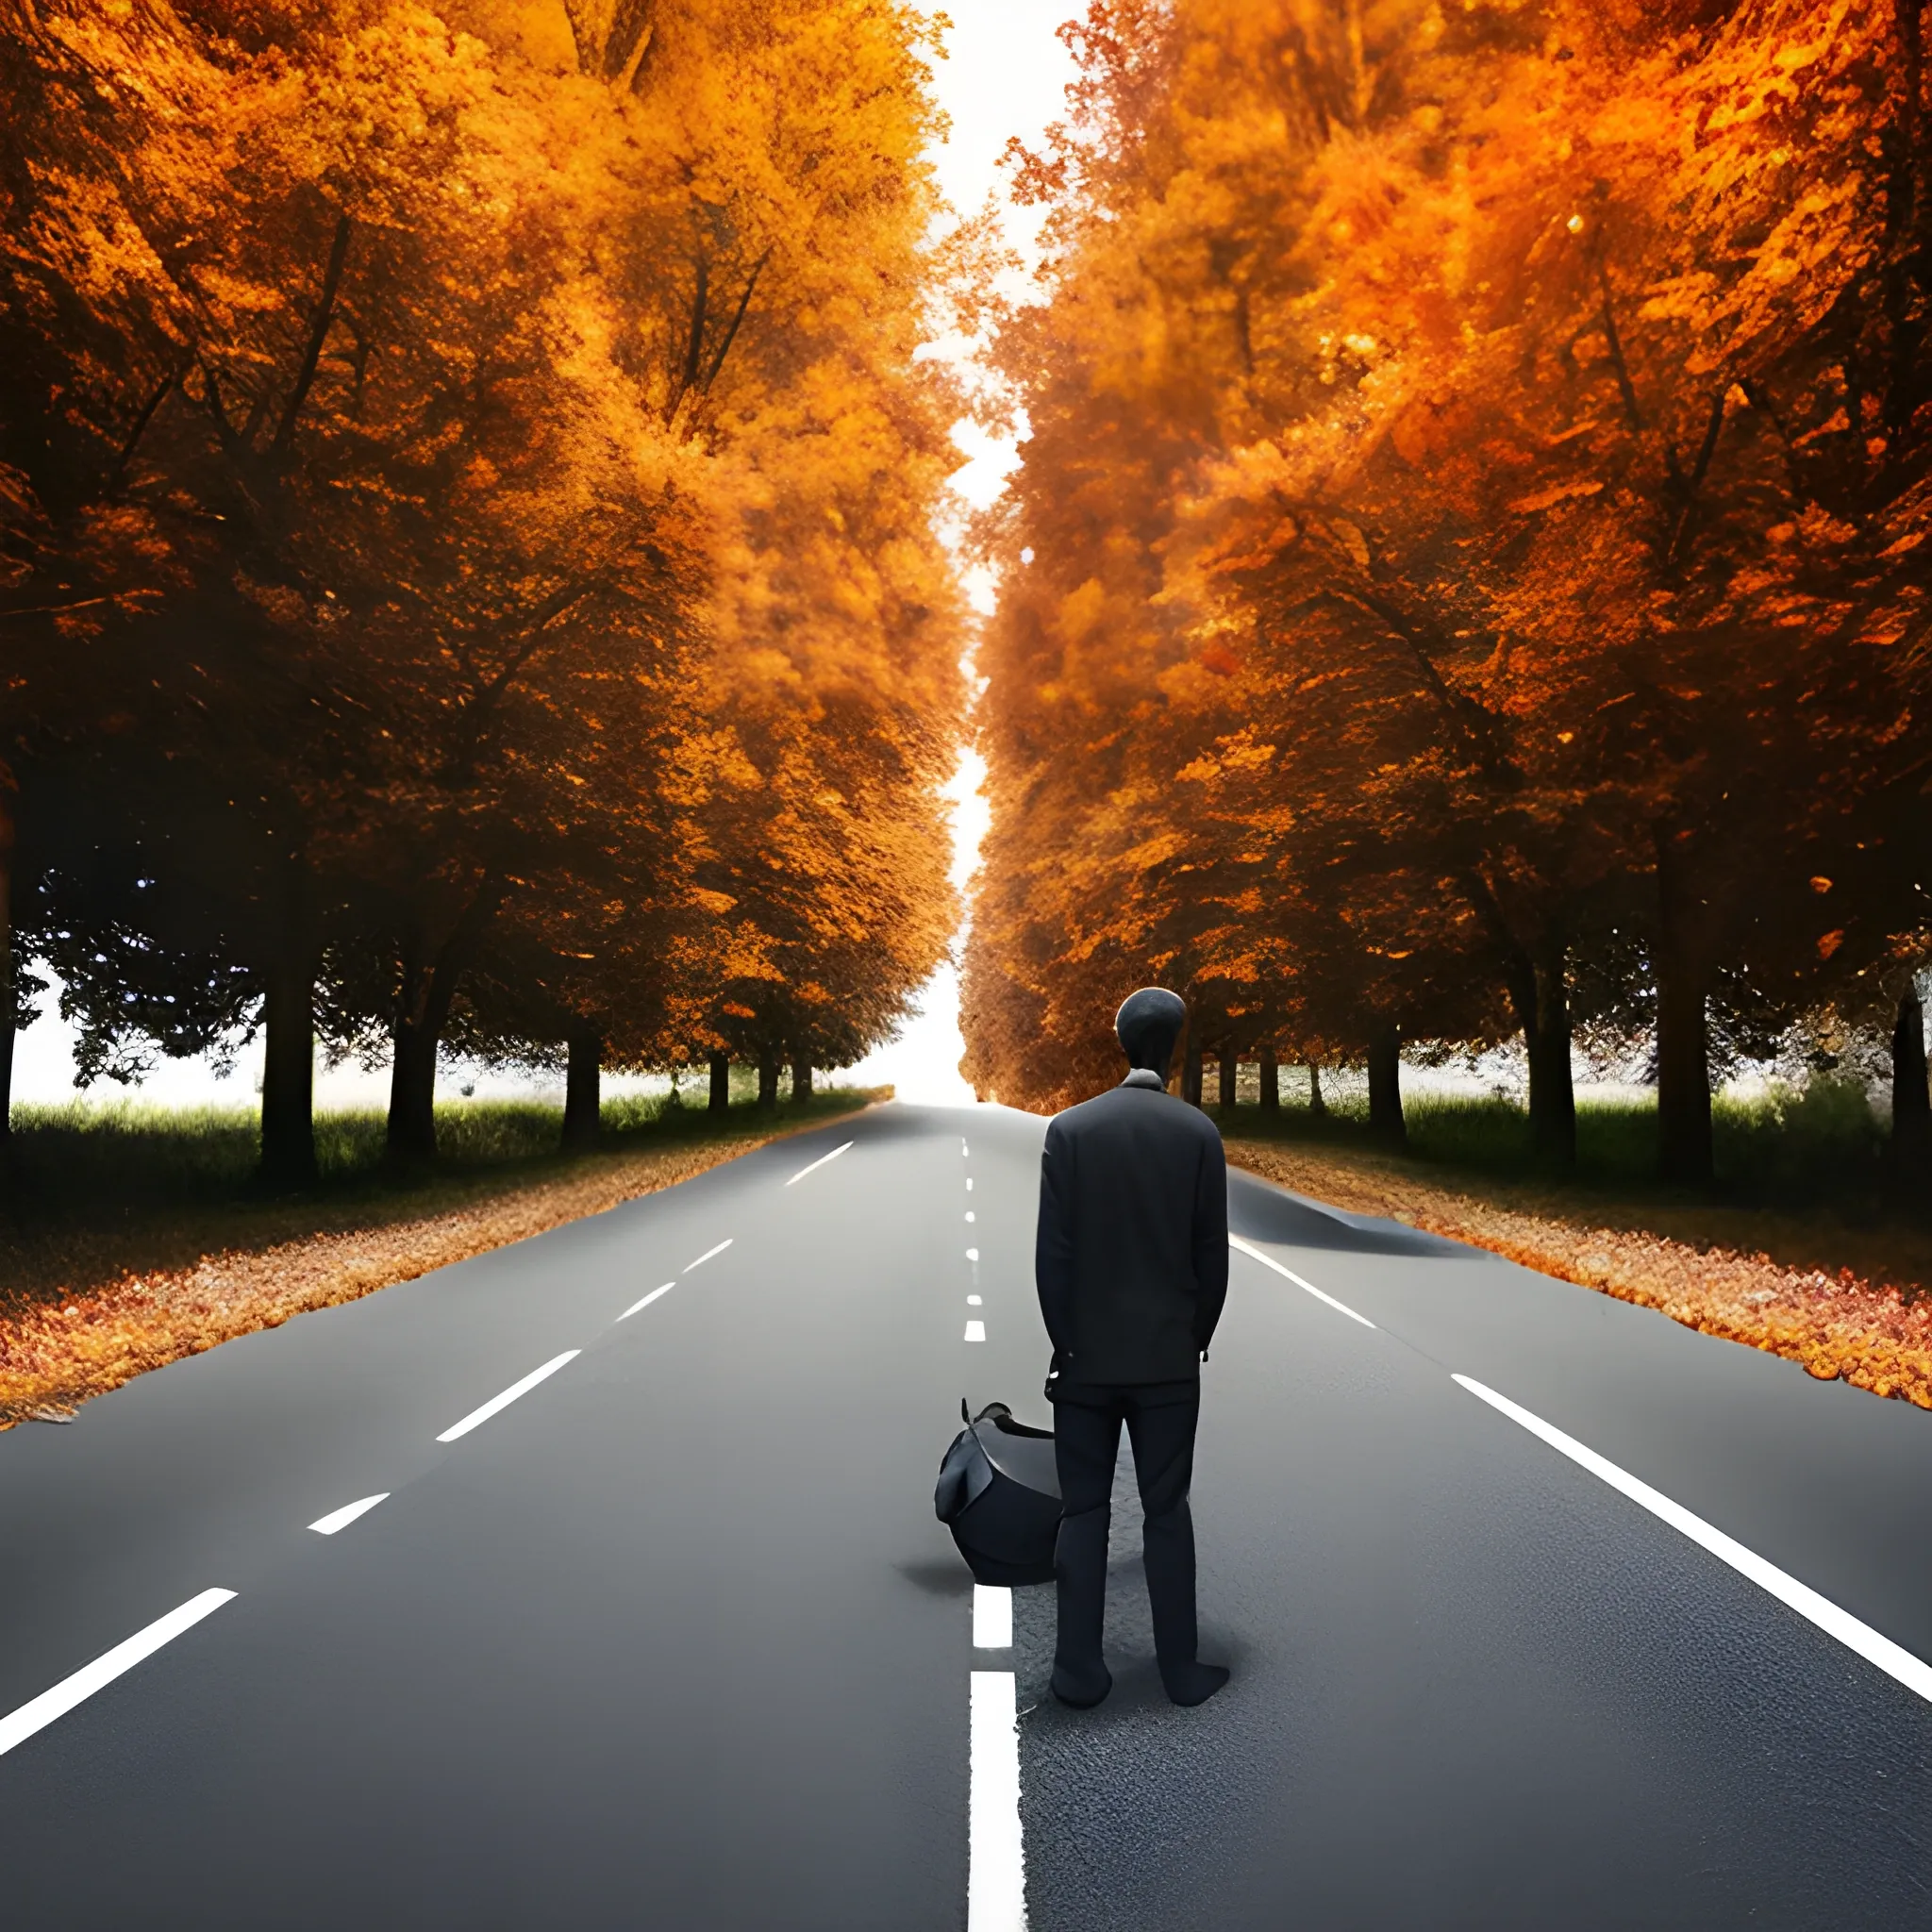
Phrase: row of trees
{"type": "Point", "coordinates": [1467, 573]}
{"type": "Point", "coordinates": [467, 565]}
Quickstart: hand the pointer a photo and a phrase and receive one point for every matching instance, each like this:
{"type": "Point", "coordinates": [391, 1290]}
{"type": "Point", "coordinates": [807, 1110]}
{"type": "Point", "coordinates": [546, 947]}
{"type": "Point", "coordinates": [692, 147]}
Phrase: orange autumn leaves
{"type": "Point", "coordinates": [466, 521]}
{"type": "Point", "coordinates": [1465, 577]}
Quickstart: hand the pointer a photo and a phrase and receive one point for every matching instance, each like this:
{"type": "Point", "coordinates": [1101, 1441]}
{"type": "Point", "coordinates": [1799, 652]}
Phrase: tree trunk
{"type": "Point", "coordinates": [1683, 1047]}
{"type": "Point", "coordinates": [1552, 1085]}
{"type": "Point", "coordinates": [412, 1133]}
{"type": "Point", "coordinates": [583, 1096]}
{"type": "Point", "coordinates": [416, 1031]}
{"type": "Point", "coordinates": [1191, 1074]}
{"type": "Point", "coordinates": [721, 1083]}
{"type": "Point", "coordinates": [1683, 1082]}
{"type": "Point", "coordinates": [287, 1073]}
{"type": "Point", "coordinates": [801, 1078]}
{"type": "Point", "coordinates": [768, 1080]}
{"type": "Point", "coordinates": [1270, 1081]}
{"type": "Point", "coordinates": [1385, 1085]}
{"type": "Point", "coordinates": [1911, 1094]}
{"type": "Point", "coordinates": [1317, 1106]}
{"type": "Point", "coordinates": [1541, 1000]}
{"type": "Point", "coordinates": [288, 1053]}
{"type": "Point", "coordinates": [6, 999]}
{"type": "Point", "coordinates": [1230, 1073]}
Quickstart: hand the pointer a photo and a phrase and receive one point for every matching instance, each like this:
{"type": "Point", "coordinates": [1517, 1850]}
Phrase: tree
{"type": "Point", "coordinates": [397, 445]}
{"type": "Point", "coordinates": [1458, 463]}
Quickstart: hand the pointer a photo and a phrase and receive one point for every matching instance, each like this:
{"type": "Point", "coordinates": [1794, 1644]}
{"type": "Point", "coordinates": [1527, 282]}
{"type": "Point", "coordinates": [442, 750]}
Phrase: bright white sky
{"type": "Point", "coordinates": [1005, 76]}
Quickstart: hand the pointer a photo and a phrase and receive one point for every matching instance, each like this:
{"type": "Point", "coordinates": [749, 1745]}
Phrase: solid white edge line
{"type": "Point", "coordinates": [813, 1168]}
{"type": "Point", "coordinates": [996, 1867]}
{"type": "Point", "coordinates": [1893, 1660]}
{"type": "Point", "coordinates": [993, 1617]}
{"type": "Point", "coordinates": [1254, 1254]}
{"type": "Point", "coordinates": [39, 1712]}
{"type": "Point", "coordinates": [645, 1303]}
{"type": "Point", "coordinates": [495, 1403]}
{"type": "Point", "coordinates": [341, 1519]}
{"type": "Point", "coordinates": [707, 1256]}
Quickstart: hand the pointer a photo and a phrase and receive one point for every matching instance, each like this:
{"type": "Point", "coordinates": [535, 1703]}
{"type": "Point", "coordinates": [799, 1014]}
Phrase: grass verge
{"type": "Point", "coordinates": [1826, 1278]}
{"type": "Point", "coordinates": [132, 1237]}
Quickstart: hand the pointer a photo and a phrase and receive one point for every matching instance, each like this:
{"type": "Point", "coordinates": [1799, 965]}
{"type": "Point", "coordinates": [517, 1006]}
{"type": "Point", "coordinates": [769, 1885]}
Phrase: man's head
{"type": "Point", "coordinates": [1147, 1025]}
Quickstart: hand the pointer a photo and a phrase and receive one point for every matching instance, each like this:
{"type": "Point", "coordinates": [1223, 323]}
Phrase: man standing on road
{"type": "Point", "coordinates": [1131, 1266]}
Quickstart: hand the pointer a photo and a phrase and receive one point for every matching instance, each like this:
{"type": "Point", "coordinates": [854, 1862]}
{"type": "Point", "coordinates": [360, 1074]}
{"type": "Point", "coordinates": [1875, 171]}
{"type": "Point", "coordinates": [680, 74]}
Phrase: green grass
{"type": "Point", "coordinates": [1821, 1142]}
{"type": "Point", "coordinates": [117, 1156]}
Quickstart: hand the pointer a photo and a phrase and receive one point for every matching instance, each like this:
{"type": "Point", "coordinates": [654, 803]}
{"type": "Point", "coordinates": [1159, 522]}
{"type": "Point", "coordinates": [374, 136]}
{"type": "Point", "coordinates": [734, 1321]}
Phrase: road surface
{"type": "Point", "coordinates": [1621, 1630]}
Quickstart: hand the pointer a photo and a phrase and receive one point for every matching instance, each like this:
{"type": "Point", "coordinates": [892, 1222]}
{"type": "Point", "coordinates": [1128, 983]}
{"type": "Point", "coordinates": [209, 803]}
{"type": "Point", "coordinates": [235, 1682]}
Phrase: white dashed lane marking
{"type": "Point", "coordinates": [1254, 1254]}
{"type": "Point", "coordinates": [707, 1254]}
{"type": "Point", "coordinates": [813, 1168]}
{"type": "Point", "coordinates": [39, 1712]}
{"type": "Point", "coordinates": [646, 1301]}
{"type": "Point", "coordinates": [993, 1617]}
{"type": "Point", "coordinates": [996, 1873]}
{"type": "Point", "coordinates": [498, 1403]}
{"type": "Point", "coordinates": [341, 1519]}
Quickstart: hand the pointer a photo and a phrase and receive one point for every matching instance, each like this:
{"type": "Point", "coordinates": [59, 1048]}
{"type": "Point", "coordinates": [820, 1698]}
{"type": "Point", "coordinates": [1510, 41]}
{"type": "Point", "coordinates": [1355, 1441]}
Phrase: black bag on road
{"type": "Point", "coordinates": [1000, 1495]}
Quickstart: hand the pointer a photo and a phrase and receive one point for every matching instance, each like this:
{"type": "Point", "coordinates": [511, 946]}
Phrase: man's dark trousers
{"type": "Point", "coordinates": [1161, 1419]}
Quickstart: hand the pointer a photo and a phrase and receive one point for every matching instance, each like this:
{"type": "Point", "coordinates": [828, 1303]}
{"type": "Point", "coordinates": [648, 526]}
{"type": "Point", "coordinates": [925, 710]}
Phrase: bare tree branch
{"type": "Point", "coordinates": [1625, 386]}
{"type": "Point", "coordinates": [1713, 424]}
{"type": "Point", "coordinates": [311, 355]}
{"type": "Point", "coordinates": [142, 418]}
{"type": "Point", "coordinates": [736, 319]}
{"type": "Point", "coordinates": [694, 348]}
{"type": "Point", "coordinates": [211, 397]}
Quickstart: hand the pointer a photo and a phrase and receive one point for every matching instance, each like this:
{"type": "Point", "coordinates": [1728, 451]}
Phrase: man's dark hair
{"type": "Point", "coordinates": [1147, 1025]}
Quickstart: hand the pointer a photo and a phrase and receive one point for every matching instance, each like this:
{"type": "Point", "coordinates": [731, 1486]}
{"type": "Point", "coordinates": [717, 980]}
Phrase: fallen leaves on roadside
{"type": "Point", "coordinates": [1837, 1323]}
{"type": "Point", "coordinates": [54, 1355]}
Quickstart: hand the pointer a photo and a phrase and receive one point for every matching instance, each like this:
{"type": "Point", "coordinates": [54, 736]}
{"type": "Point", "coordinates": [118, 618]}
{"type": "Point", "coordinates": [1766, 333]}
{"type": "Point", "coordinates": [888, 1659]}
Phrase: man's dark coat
{"type": "Point", "coordinates": [1131, 1255]}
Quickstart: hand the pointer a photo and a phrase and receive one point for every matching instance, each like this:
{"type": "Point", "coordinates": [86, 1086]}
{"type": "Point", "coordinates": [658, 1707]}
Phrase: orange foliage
{"type": "Point", "coordinates": [1467, 559]}
{"type": "Point", "coordinates": [466, 509]}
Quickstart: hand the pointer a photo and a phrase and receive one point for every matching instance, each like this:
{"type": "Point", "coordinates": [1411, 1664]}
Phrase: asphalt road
{"type": "Point", "coordinates": [672, 1638]}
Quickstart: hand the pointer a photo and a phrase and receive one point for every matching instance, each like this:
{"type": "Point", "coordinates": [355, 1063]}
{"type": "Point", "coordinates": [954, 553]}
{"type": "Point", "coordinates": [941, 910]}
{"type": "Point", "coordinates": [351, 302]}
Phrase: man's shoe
{"type": "Point", "coordinates": [1081, 1687]}
{"type": "Point", "coordinates": [1190, 1684]}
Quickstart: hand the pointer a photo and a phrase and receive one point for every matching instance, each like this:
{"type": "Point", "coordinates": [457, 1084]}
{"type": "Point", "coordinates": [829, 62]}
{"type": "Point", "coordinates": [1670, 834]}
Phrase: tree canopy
{"type": "Point", "coordinates": [1466, 573]}
{"type": "Point", "coordinates": [467, 550]}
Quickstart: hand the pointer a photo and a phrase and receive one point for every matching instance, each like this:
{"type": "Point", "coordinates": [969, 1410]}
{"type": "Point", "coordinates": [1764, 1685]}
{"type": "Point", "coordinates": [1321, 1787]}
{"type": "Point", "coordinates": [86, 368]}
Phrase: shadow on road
{"type": "Point", "coordinates": [1265, 1212]}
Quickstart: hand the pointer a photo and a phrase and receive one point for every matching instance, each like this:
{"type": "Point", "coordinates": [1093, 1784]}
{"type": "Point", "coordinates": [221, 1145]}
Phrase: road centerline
{"type": "Point", "coordinates": [993, 1617]}
{"type": "Point", "coordinates": [996, 1868]}
{"type": "Point", "coordinates": [1893, 1660]}
{"type": "Point", "coordinates": [39, 1712]}
{"type": "Point", "coordinates": [498, 1403]}
{"type": "Point", "coordinates": [707, 1256]}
